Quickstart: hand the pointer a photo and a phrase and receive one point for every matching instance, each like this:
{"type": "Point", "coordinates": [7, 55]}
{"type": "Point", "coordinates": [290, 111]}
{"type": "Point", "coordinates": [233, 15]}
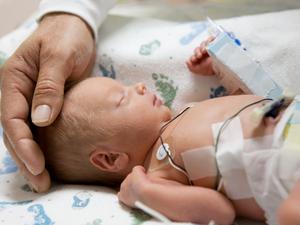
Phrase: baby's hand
{"type": "Point", "coordinates": [200, 63]}
{"type": "Point", "coordinates": [131, 187]}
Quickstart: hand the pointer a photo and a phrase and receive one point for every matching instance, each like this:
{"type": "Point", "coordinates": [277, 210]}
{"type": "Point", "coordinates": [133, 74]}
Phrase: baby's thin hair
{"type": "Point", "coordinates": [69, 141]}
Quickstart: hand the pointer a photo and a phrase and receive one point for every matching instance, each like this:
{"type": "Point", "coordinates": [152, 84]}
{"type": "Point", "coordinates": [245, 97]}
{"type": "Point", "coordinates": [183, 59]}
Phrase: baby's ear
{"type": "Point", "coordinates": [109, 160]}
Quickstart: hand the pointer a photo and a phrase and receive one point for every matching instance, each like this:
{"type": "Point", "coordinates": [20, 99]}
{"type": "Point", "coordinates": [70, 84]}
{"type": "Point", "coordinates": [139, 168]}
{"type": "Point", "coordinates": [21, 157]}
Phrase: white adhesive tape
{"type": "Point", "coordinates": [265, 142]}
{"type": "Point", "coordinates": [200, 162]}
{"type": "Point", "coordinates": [230, 159]}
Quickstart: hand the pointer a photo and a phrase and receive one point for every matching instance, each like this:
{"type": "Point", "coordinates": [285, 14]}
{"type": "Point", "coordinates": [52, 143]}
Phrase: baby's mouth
{"type": "Point", "coordinates": [157, 101]}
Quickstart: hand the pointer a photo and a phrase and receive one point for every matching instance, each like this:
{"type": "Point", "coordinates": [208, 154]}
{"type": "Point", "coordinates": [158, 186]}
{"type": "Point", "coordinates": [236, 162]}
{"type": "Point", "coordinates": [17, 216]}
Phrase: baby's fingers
{"type": "Point", "coordinates": [198, 53]}
{"type": "Point", "coordinates": [205, 43]}
{"type": "Point", "coordinates": [139, 170]}
{"type": "Point", "coordinates": [193, 59]}
{"type": "Point", "coordinates": [189, 65]}
{"type": "Point", "coordinates": [210, 39]}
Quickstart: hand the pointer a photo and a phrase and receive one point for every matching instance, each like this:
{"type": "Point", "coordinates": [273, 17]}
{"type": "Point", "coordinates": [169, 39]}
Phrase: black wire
{"type": "Point", "coordinates": [161, 139]}
{"type": "Point", "coordinates": [235, 115]}
{"type": "Point", "coordinates": [219, 132]}
{"type": "Point", "coordinates": [174, 118]}
{"type": "Point", "coordinates": [227, 122]}
{"type": "Point", "coordinates": [168, 154]}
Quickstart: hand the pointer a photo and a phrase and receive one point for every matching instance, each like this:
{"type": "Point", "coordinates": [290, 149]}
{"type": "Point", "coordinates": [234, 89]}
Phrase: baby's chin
{"type": "Point", "coordinates": [167, 114]}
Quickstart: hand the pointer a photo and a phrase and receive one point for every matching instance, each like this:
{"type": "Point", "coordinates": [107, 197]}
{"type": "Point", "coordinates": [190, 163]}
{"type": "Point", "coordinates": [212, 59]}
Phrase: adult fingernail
{"type": "Point", "coordinates": [32, 170]}
{"type": "Point", "coordinates": [41, 114]}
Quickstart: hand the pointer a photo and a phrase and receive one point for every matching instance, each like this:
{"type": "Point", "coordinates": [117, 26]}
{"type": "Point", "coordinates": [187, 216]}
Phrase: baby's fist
{"type": "Point", "coordinates": [133, 186]}
{"type": "Point", "coordinates": [200, 63]}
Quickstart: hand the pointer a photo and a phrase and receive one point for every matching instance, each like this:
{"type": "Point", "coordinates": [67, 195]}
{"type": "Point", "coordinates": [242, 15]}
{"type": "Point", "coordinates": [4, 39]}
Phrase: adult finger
{"type": "Point", "coordinates": [16, 89]}
{"type": "Point", "coordinates": [49, 90]}
{"type": "Point", "coordinates": [39, 183]}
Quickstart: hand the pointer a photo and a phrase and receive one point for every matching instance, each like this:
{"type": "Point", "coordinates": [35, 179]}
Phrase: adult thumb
{"type": "Point", "coordinates": [48, 94]}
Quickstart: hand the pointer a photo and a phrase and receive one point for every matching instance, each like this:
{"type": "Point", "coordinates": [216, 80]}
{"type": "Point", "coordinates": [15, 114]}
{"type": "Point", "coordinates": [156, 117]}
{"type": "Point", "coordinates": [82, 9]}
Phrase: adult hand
{"type": "Point", "coordinates": [61, 51]}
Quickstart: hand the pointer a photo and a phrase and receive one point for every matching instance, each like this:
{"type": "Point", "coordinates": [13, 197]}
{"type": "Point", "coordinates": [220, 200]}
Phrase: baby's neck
{"type": "Point", "coordinates": [165, 137]}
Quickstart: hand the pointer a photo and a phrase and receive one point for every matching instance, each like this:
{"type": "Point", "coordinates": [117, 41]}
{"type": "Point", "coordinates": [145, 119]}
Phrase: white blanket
{"type": "Point", "coordinates": [273, 39]}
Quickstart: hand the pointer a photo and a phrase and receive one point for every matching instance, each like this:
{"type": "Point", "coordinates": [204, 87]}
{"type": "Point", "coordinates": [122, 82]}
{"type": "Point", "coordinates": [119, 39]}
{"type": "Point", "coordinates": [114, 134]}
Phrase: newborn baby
{"type": "Point", "coordinates": [112, 134]}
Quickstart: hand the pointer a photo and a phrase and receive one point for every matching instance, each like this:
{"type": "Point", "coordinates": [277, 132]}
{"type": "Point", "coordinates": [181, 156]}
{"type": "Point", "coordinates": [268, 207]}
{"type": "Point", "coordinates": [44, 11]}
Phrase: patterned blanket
{"type": "Point", "coordinates": [152, 51]}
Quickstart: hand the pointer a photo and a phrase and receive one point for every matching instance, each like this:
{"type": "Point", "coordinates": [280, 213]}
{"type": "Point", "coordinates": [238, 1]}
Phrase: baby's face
{"type": "Point", "coordinates": [133, 113]}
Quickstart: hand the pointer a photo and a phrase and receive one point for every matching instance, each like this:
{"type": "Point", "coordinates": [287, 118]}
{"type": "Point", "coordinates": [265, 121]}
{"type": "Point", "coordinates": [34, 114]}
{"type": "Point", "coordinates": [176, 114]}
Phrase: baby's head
{"type": "Point", "coordinates": [103, 131]}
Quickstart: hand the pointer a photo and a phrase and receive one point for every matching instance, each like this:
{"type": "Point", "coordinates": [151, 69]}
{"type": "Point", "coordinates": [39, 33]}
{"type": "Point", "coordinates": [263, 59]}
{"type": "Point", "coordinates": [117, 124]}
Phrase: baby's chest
{"type": "Point", "coordinates": [190, 160]}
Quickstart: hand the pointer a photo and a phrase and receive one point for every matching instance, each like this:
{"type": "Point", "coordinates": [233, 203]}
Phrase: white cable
{"type": "Point", "coordinates": [178, 168]}
{"type": "Point", "coordinates": [152, 212]}
{"type": "Point", "coordinates": [212, 222]}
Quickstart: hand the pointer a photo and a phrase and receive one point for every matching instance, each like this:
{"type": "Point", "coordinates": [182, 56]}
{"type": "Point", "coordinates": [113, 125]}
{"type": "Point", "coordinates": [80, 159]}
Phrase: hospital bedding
{"type": "Point", "coordinates": [153, 51]}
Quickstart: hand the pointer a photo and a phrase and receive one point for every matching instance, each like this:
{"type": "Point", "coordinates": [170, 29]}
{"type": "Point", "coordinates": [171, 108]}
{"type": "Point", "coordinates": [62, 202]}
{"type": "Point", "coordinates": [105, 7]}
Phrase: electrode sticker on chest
{"type": "Point", "coordinates": [200, 162]}
{"type": "Point", "coordinates": [162, 151]}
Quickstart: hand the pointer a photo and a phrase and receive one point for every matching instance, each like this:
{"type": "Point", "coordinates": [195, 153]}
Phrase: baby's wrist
{"type": "Point", "coordinates": [143, 190]}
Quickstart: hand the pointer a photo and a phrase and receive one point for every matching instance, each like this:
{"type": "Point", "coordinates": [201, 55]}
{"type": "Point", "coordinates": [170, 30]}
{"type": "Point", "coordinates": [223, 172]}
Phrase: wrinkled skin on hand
{"type": "Point", "coordinates": [60, 52]}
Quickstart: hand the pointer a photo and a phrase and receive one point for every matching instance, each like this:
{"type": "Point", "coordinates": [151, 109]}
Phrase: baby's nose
{"type": "Point", "coordinates": [140, 88]}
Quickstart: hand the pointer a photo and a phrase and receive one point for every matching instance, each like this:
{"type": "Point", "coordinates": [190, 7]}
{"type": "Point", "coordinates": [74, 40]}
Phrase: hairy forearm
{"type": "Point", "coordinates": [188, 203]}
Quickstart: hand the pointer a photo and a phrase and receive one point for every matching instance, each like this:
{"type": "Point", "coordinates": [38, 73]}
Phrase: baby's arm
{"type": "Point", "coordinates": [176, 201]}
{"type": "Point", "coordinates": [200, 63]}
{"type": "Point", "coordinates": [289, 212]}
